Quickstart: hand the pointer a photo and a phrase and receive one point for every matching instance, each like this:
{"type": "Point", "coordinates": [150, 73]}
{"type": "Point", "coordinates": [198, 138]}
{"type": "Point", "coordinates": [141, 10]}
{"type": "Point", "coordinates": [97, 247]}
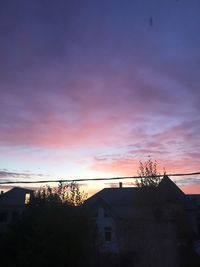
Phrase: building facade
{"type": "Point", "coordinates": [12, 205]}
{"type": "Point", "coordinates": [146, 227]}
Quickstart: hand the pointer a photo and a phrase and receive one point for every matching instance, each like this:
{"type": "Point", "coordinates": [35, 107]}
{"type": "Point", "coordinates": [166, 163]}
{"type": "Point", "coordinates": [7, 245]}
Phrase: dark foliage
{"type": "Point", "coordinates": [65, 193]}
{"type": "Point", "coordinates": [50, 233]}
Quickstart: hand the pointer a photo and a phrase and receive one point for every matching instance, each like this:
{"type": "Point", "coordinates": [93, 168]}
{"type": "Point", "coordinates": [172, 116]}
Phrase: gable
{"type": "Point", "coordinates": [15, 196]}
{"type": "Point", "coordinates": [170, 192]}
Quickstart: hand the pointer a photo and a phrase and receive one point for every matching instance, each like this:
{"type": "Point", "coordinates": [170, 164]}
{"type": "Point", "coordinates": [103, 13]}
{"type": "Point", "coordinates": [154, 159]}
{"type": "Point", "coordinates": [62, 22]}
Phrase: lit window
{"type": "Point", "coordinates": [27, 198]}
{"type": "Point", "coordinates": [108, 234]}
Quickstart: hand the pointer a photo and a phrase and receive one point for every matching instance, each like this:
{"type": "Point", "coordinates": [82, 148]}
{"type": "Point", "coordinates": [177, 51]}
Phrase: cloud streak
{"type": "Point", "coordinates": [6, 175]}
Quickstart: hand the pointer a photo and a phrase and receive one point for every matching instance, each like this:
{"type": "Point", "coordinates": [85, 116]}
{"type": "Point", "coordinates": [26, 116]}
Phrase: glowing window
{"type": "Point", "coordinates": [27, 198]}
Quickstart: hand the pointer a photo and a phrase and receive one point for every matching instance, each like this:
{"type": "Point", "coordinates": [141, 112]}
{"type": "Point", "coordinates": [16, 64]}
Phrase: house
{"type": "Point", "coordinates": [196, 200]}
{"type": "Point", "coordinates": [147, 225]}
{"type": "Point", "coordinates": [12, 205]}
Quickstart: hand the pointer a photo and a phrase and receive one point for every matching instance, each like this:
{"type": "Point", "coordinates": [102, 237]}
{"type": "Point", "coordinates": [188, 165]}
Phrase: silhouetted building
{"type": "Point", "coordinates": [150, 225]}
{"type": "Point", "coordinates": [12, 205]}
{"type": "Point", "coordinates": [196, 200]}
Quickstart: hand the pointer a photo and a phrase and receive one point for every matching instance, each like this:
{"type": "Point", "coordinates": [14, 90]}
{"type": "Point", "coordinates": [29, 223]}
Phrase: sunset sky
{"type": "Point", "coordinates": [88, 88]}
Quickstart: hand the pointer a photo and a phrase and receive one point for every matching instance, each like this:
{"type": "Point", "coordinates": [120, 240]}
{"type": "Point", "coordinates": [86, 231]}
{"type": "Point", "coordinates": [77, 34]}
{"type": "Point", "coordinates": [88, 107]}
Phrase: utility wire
{"type": "Point", "coordinates": [96, 179]}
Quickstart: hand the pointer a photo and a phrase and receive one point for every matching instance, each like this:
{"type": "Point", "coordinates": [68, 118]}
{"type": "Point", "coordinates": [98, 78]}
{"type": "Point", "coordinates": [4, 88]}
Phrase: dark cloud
{"type": "Point", "coordinates": [5, 174]}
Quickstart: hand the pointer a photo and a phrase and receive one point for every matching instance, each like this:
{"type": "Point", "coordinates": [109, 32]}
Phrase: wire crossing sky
{"type": "Point", "coordinates": [95, 179]}
{"type": "Point", "coordinates": [90, 88]}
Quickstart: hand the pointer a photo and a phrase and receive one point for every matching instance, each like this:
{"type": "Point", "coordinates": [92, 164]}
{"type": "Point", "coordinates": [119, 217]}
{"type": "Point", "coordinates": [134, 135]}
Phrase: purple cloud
{"type": "Point", "coordinates": [96, 79]}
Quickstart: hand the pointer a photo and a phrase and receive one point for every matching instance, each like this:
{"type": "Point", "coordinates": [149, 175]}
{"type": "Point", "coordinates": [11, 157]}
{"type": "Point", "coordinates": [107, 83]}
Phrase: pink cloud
{"type": "Point", "coordinates": [191, 189]}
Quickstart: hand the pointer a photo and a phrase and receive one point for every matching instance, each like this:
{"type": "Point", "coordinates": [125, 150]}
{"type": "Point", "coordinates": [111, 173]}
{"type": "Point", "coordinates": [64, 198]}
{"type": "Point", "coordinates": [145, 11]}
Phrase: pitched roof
{"type": "Point", "coordinates": [195, 198]}
{"type": "Point", "coordinates": [171, 192]}
{"type": "Point", "coordinates": [117, 196]}
{"type": "Point", "coordinates": [124, 200]}
{"type": "Point", "coordinates": [15, 196]}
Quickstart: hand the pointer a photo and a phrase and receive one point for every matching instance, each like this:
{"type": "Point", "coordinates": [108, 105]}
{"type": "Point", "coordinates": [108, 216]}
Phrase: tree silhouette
{"type": "Point", "coordinates": [65, 193]}
{"type": "Point", "coordinates": [149, 176]}
{"type": "Point", "coordinates": [55, 230]}
{"type": "Point", "coordinates": [71, 194]}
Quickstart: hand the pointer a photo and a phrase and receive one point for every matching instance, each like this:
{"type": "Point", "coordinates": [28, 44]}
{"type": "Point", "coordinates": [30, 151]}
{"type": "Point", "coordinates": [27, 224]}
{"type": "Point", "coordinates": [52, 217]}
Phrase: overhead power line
{"type": "Point", "coordinates": [95, 179]}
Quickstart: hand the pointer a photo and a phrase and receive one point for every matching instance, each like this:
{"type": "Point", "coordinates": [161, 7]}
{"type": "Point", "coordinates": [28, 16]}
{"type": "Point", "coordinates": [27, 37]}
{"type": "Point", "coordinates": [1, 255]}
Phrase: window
{"type": "Point", "coordinates": [108, 234]}
{"type": "Point", "coordinates": [27, 198]}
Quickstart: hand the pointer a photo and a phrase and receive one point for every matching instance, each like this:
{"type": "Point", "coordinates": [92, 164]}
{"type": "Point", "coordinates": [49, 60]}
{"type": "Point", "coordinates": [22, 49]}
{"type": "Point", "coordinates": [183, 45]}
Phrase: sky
{"type": "Point", "coordinates": [88, 88]}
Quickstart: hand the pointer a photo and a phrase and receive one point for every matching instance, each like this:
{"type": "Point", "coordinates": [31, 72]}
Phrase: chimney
{"type": "Point", "coordinates": [120, 184]}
